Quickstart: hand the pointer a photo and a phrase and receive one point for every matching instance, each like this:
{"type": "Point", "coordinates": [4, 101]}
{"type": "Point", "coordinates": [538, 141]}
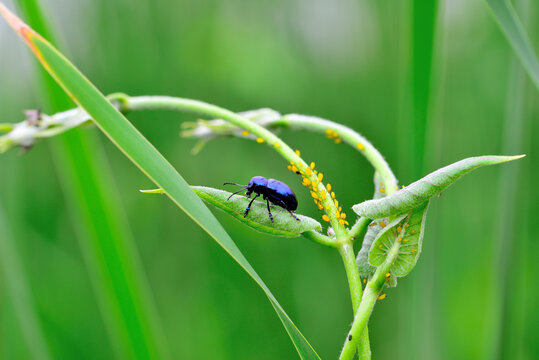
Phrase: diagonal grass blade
{"type": "Point", "coordinates": [143, 154]}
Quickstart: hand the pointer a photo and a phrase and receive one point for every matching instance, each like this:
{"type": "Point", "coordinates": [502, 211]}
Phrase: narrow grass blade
{"type": "Point", "coordinates": [507, 18]}
{"type": "Point", "coordinates": [129, 140]}
{"type": "Point", "coordinates": [18, 290]}
{"type": "Point", "coordinates": [102, 231]}
{"type": "Point", "coordinates": [422, 190]}
{"type": "Point", "coordinates": [424, 19]}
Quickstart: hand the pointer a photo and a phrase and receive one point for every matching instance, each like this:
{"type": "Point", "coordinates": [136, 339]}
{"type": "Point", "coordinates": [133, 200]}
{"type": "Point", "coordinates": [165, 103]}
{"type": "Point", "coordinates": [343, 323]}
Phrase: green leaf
{"type": "Point", "coordinates": [422, 190]}
{"type": "Point", "coordinates": [364, 267]}
{"type": "Point", "coordinates": [143, 154]}
{"type": "Point", "coordinates": [283, 223]}
{"type": "Point", "coordinates": [510, 24]}
{"type": "Point", "coordinates": [408, 229]}
{"type": "Point", "coordinates": [362, 259]}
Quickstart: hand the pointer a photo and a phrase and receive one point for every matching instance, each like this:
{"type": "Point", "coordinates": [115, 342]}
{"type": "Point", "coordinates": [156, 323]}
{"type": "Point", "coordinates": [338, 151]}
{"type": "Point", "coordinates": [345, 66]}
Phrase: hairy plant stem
{"type": "Point", "coordinates": [372, 290]}
{"type": "Point", "coordinates": [360, 228]}
{"type": "Point", "coordinates": [320, 238]}
{"type": "Point", "coordinates": [346, 250]}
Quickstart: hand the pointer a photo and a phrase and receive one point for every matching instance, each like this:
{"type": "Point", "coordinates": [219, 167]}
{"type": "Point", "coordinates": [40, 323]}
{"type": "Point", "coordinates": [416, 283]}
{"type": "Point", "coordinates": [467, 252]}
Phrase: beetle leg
{"type": "Point", "coordinates": [269, 211]}
{"type": "Point", "coordinates": [249, 206]}
{"type": "Point", "coordinates": [293, 215]}
{"type": "Point", "coordinates": [283, 205]}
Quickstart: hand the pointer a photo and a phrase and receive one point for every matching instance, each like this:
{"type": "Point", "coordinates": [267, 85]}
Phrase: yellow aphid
{"type": "Point", "coordinates": [298, 153]}
{"type": "Point", "coordinates": [396, 188]}
{"type": "Point", "coordinates": [320, 206]}
{"type": "Point", "coordinates": [328, 207]}
{"type": "Point", "coordinates": [413, 251]}
{"type": "Point", "coordinates": [399, 239]}
{"type": "Point", "coordinates": [382, 190]}
{"type": "Point", "coordinates": [343, 216]}
{"type": "Point", "coordinates": [405, 240]}
{"type": "Point", "coordinates": [381, 183]}
{"type": "Point", "coordinates": [346, 222]}
{"type": "Point", "coordinates": [336, 203]}
{"type": "Point", "coordinates": [306, 182]}
{"type": "Point", "coordinates": [338, 140]}
{"type": "Point", "coordinates": [412, 232]}
{"type": "Point", "coordinates": [308, 171]}
{"type": "Point", "coordinates": [380, 246]}
{"type": "Point", "coordinates": [312, 165]}
{"type": "Point", "coordinates": [314, 195]}
{"type": "Point", "coordinates": [382, 297]}
{"type": "Point", "coordinates": [325, 217]}
{"type": "Point", "coordinates": [403, 187]}
{"type": "Point", "coordinates": [328, 186]}
{"type": "Point", "coordinates": [382, 224]}
{"type": "Point", "coordinates": [323, 194]}
{"type": "Point", "coordinates": [360, 146]}
{"type": "Point", "coordinates": [245, 132]}
{"type": "Point", "coordinates": [315, 172]}
{"type": "Point", "coordinates": [337, 214]}
{"type": "Point", "coordinates": [388, 275]}
{"type": "Point", "coordinates": [294, 168]}
{"type": "Point", "coordinates": [373, 223]}
{"type": "Point", "coordinates": [333, 194]}
{"type": "Point", "coordinates": [341, 221]}
{"type": "Point", "coordinates": [259, 140]}
{"type": "Point", "coordinates": [277, 145]}
{"type": "Point", "coordinates": [320, 177]}
{"type": "Point", "coordinates": [364, 281]}
{"type": "Point", "coordinates": [340, 208]}
{"type": "Point", "coordinates": [289, 167]}
{"type": "Point", "coordinates": [399, 229]}
{"type": "Point", "coordinates": [329, 132]}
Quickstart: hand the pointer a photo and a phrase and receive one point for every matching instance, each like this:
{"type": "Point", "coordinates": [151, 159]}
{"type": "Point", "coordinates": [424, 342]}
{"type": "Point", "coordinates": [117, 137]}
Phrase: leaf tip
{"type": "Point", "coordinates": [152, 191]}
{"type": "Point", "coordinates": [16, 23]}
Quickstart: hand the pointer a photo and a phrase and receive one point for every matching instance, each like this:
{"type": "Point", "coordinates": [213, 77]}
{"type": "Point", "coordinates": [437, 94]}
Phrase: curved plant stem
{"type": "Point", "coordinates": [356, 292]}
{"type": "Point", "coordinates": [372, 290]}
{"type": "Point", "coordinates": [320, 238]}
{"type": "Point", "coordinates": [359, 228]}
{"type": "Point", "coordinates": [349, 136]}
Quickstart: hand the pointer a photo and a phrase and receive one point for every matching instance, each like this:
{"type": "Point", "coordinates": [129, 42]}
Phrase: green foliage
{"type": "Point", "coordinates": [422, 190]}
{"type": "Point", "coordinates": [507, 18]}
{"type": "Point", "coordinates": [233, 62]}
{"type": "Point", "coordinates": [408, 229]}
{"type": "Point", "coordinates": [124, 135]}
{"type": "Point", "coordinates": [283, 223]}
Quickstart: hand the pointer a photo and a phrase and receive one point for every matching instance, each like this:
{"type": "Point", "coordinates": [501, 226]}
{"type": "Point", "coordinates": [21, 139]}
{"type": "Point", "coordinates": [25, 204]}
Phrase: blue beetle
{"type": "Point", "coordinates": [274, 191]}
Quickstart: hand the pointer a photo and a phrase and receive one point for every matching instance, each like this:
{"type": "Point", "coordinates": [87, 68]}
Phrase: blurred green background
{"type": "Point", "coordinates": [428, 84]}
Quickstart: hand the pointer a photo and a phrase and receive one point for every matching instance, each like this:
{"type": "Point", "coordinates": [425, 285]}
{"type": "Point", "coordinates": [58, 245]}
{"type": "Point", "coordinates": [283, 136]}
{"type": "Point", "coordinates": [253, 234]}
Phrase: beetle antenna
{"type": "Point", "coordinates": [236, 192]}
{"type": "Point", "coordinates": [228, 183]}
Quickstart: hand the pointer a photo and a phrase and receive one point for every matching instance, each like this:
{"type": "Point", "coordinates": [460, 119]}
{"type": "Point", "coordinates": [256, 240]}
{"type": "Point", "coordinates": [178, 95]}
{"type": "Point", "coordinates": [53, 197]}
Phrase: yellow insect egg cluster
{"type": "Point", "coordinates": [319, 196]}
{"type": "Point", "coordinates": [333, 135]}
